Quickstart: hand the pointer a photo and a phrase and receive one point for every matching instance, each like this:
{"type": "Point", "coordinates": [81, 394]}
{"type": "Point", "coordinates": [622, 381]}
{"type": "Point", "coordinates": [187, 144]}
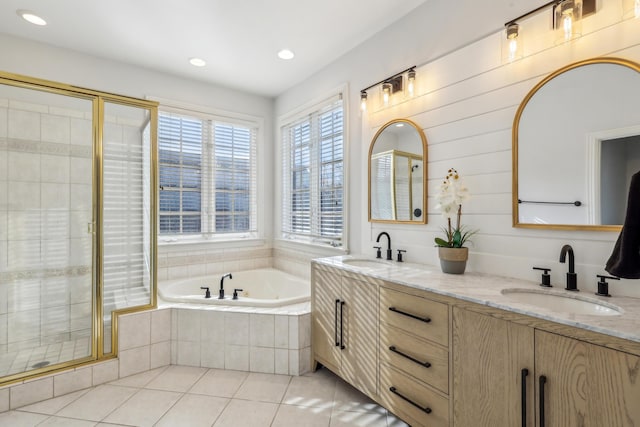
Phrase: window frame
{"type": "Point", "coordinates": [224, 117]}
{"type": "Point", "coordinates": [291, 118]}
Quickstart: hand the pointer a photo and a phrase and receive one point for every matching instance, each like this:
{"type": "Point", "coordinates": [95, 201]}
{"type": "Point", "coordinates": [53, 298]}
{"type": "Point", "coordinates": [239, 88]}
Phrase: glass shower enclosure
{"type": "Point", "coordinates": [77, 214]}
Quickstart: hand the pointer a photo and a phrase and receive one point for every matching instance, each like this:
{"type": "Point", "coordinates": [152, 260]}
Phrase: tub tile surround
{"type": "Point", "coordinates": [485, 289]}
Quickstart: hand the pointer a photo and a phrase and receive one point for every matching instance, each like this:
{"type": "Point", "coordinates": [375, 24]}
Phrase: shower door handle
{"type": "Point", "coordinates": [335, 322]}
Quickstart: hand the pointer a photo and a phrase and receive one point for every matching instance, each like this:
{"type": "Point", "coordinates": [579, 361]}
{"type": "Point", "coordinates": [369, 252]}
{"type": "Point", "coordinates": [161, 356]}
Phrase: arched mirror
{"type": "Point", "coordinates": [576, 144]}
{"type": "Point", "coordinates": [398, 173]}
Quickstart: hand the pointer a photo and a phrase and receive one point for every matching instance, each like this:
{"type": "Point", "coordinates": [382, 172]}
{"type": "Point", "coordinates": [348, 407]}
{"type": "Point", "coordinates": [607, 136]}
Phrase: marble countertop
{"type": "Point", "coordinates": [488, 290]}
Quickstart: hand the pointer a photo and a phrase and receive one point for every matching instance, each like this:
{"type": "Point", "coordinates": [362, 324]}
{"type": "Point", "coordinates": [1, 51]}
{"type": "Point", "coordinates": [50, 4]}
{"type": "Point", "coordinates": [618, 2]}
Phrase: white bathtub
{"type": "Point", "coordinates": [266, 287]}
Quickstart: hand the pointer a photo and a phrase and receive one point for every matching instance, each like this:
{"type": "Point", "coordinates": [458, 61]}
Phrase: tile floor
{"type": "Point", "coordinates": [48, 354]}
{"type": "Point", "coordinates": [187, 396]}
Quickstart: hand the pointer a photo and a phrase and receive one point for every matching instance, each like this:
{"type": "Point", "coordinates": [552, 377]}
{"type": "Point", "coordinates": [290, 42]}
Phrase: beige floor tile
{"type": "Point", "coordinates": [358, 419]}
{"type": "Point", "coordinates": [66, 422]}
{"type": "Point", "coordinates": [144, 408]}
{"type": "Point", "coordinates": [194, 410]}
{"type": "Point", "coordinates": [296, 416]}
{"type": "Point", "coordinates": [218, 382]}
{"type": "Point", "coordinates": [246, 413]}
{"type": "Point", "coordinates": [22, 419]}
{"type": "Point", "coordinates": [316, 390]}
{"type": "Point", "coordinates": [51, 406]}
{"type": "Point", "coordinates": [347, 398]}
{"type": "Point", "coordinates": [177, 378]}
{"type": "Point", "coordinates": [97, 403]}
{"type": "Point", "coordinates": [393, 421]}
{"type": "Point", "coordinates": [264, 387]}
{"type": "Point", "coordinates": [139, 380]}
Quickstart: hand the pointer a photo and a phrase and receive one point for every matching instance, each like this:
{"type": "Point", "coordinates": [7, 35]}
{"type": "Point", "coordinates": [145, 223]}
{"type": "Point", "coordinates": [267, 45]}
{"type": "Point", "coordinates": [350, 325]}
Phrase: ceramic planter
{"type": "Point", "coordinates": [453, 260]}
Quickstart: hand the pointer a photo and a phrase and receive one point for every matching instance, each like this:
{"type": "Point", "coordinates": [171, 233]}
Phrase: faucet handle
{"type": "Point", "coordinates": [603, 285]}
{"type": "Point", "coordinates": [208, 293]}
{"type": "Point", "coordinates": [235, 293]}
{"type": "Point", "coordinates": [379, 251]}
{"type": "Point", "coordinates": [545, 280]}
{"type": "Point", "coordinates": [400, 251]}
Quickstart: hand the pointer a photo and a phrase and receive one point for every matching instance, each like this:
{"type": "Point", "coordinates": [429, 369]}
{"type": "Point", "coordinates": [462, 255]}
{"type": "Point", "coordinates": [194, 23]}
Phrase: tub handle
{"type": "Point", "coordinates": [208, 293]}
{"type": "Point", "coordinates": [235, 293]}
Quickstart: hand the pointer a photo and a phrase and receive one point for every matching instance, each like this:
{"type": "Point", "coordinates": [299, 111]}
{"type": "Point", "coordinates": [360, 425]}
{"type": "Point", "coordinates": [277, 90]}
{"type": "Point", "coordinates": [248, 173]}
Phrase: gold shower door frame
{"type": "Point", "coordinates": [98, 100]}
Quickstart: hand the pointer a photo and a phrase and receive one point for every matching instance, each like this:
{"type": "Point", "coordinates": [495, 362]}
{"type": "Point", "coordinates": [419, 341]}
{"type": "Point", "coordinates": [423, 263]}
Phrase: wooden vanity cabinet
{"type": "Point", "coordinates": [414, 357]}
{"type": "Point", "coordinates": [585, 384]}
{"type": "Point", "coordinates": [345, 326]}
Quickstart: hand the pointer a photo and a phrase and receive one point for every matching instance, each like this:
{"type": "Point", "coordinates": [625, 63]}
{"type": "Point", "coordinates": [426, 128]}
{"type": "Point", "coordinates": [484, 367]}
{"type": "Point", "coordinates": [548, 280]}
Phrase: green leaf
{"type": "Point", "coordinates": [441, 242]}
{"type": "Point", "coordinates": [457, 239]}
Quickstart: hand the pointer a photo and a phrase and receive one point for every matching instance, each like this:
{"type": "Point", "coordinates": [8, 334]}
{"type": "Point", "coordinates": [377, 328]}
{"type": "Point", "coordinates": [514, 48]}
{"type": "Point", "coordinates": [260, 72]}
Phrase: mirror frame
{"type": "Point", "coordinates": [424, 173]}
{"type": "Point", "coordinates": [516, 122]}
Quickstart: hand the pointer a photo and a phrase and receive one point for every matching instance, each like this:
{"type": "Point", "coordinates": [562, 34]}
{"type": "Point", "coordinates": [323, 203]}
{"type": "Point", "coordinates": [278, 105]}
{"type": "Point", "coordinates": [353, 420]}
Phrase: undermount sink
{"type": "Point", "coordinates": [573, 304]}
{"type": "Point", "coordinates": [366, 263]}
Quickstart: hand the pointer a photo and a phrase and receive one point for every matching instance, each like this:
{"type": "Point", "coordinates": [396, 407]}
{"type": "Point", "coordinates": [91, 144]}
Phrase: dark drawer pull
{"type": "Point", "coordinates": [413, 316]}
{"type": "Point", "coordinates": [424, 364]}
{"type": "Point", "coordinates": [394, 391]}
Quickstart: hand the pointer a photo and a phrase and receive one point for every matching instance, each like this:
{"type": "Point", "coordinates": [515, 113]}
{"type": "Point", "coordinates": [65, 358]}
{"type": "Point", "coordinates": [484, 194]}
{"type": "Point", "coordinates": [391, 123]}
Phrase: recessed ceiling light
{"type": "Point", "coordinates": [197, 62]}
{"type": "Point", "coordinates": [31, 17]}
{"type": "Point", "coordinates": [285, 54]}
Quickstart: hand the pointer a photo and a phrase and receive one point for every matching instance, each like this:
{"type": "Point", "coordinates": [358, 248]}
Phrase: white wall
{"type": "Point", "coordinates": [466, 102]}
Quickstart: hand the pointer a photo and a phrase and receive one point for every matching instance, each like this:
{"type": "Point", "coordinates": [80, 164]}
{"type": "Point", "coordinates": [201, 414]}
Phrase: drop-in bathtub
{"type": "Point", "coordinates": [266, 287]}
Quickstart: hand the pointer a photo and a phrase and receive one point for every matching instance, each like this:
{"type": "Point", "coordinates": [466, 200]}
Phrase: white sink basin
{"type": "Point", "coordinates": [366, 263]}
{"type": "Point", "coordinates": [573, 304]}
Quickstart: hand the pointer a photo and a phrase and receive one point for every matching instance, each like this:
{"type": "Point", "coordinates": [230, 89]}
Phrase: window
{"type": "Point", "coordinates": [313, 188]}
{"type": "Point", "coordinates": [207, 176]}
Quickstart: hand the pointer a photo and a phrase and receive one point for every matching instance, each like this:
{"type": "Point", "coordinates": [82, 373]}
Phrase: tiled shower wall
{"type": "Point", "coordinates": [45, 204]}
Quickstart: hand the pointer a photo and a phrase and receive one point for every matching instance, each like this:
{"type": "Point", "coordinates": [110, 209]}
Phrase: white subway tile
{"type": "Point", "coordinates": [281, 361]}
{"type": "Point", "coordinates": [23, 124]}
{"type": "Point", "coordinates": [294, 362]}
{"type": "Point", "coordinates": [55, 169]}
{"type": "Point", "coordinates": [71, 381]}
{"type": "Point", "coordinates": [31, 392]}
{"type": "Point", "coordinates": [197, 270]}
{"type": "Point", "coordinates": [105, 372]}
{"type": "Point", "coordinates": [134, 361]}
{"type": "Point", "coordinates": [160, 325]}
{"type": "Point", "coordinates": [236, 357]}
{"type": "Point", "coordinates": [81, 170]}
{"type": "Point", "coordinates": [188, 325]}
{"type": "Point", "coordinates": [23, 326]}
{"type": "Point", "coordinates": [281, 333]}
{"type": "Point", "coordinates": [134, 330]}
{"type": "Point", "coordinates": [188, 353]}
{"type": "Point", "coordinates": [160, 354]}
{"type": "Point", "coordinates": [213, 327]}
{"type": "Point", "coordinates": [3, 328]}
{"type": "Point", "coordinates": [236, 326]}
{"type": "Point", "coordinates": [261, 332]}
{"type": "Point", "coordinates": [81, 197]}
{"type": "Point", "coordinates": [23, 195]}
{"type": "Point", "coordinates": [262, 359]}
{"type": "Point", "coordinates": [304, 361]}
{"type": "Point", "coordinates": [3, 122]}
{"type": "Point", "coordinates": [177, 272]}
{"type": "Point", "coordinates": [81, 132]}
{"type": "Point", "coordinates": [55, 129]}
{"type": "Point", "coordinates": [294, 336]}
{"type": "Point", "coordinates": [212, 355]}
{"type": "Point", "coordinates": [304, 330]}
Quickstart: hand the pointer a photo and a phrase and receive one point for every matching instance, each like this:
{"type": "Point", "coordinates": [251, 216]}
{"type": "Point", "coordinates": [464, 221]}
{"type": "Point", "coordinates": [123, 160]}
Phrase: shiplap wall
{"type": "Point", "coordinates": [466, 103]}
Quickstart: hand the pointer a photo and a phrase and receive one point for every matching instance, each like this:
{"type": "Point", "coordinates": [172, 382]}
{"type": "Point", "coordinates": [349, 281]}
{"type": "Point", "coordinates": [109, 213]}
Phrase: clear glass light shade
{"type": "Point", "coordinates": [386, 93]}
{"type": "Point", "coordinates": [363, 101]}
{"type": "Point", "coordinates": [411, 83]}
{"type": "Point", "coordinates": [568, 20]}
{"type": "Point", "coordinates": [512, 43]}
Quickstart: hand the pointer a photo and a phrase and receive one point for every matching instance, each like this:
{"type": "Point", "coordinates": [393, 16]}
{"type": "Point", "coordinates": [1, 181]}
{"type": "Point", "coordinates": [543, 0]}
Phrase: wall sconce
{"type": "Point", "coordinates": [391, 85]}
{"type": "Point", "coordinates": [567, 16]}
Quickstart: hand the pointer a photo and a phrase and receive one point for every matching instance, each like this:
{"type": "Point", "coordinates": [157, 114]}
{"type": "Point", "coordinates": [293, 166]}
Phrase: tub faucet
{"type": "Point", "coordinates": [571, 275]}
{"type": "Point", "coordinates": [221, 296]}
{"type": "Point", "coordinates": [389, 254]}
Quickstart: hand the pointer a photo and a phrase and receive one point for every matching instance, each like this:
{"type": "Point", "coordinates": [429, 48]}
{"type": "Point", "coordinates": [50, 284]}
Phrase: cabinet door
{"type": "Point", "coordinates": [586, 384]}
{"type": "Point", "coordinates": [326, 318]}
{"type": "Point", "coordinates": [360, 355]}
{"type": "Point", "coordinates": [489, 355]}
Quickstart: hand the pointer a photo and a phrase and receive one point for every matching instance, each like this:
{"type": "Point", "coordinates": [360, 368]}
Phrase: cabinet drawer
{"type": "Point", "coordinates": [411, 400]}
{"type": "Point", "coordinates": [419, 316]}
{"type": "Point", "coordinates": [420, 359]}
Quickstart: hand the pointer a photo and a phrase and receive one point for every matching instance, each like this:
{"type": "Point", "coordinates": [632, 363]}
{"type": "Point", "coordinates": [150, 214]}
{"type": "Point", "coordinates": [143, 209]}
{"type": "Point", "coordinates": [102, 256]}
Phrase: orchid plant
{"type": "Point", "coordinates": [450, 196]}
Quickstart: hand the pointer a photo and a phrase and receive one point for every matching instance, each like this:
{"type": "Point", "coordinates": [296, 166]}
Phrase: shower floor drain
{"type": "Point", "coordinates": [40, 364]}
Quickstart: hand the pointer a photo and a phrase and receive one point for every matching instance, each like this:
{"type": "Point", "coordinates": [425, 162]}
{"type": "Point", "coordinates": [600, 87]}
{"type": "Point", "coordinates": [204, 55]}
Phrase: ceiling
{"type": "Point", "coordinates": [239, 39]}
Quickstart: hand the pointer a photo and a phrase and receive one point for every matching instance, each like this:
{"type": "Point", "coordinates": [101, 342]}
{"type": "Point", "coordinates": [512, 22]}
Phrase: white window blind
{"type": "Point", "coordinates": [312, 159]}
{"type": "Point", "coordinates": [207, 176]}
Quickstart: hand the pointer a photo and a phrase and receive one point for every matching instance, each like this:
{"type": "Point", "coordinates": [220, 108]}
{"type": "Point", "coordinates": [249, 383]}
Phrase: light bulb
{"type": "Point", "coordinates": [386, 91]}
{"type": "Point", "coordinates": [411, 80]}
{"type": "Point", "coordinates": [363, 101]}
{"type": "Point", "coordinates": [567, 25]}
{"type": "Point", "coordinates": [513, 48]}
{"type": "Point", "coordinates": [513, 33]}
{"type": "Point", "coordinates": [636, 8]}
